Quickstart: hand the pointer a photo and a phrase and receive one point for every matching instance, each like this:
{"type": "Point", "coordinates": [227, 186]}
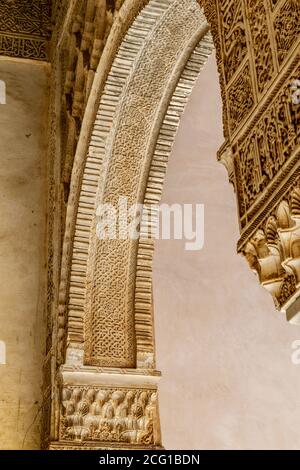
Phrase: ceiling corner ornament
{"type": "Point", "coordinates": [25, 28]}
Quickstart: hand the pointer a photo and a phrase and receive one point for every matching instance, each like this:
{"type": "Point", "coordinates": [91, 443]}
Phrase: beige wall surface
{"type": "Point", "coordinates": [22, 248]}
{"type": "Point", "coordinates": [225, 353]}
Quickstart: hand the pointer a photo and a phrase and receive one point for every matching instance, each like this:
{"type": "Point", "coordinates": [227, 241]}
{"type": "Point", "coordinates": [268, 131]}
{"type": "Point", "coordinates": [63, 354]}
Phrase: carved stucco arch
{"type": "Point", "coordinates": [129, 124]}
{"type": "Point", "coordinates": [136, 120]}
{"type": "Point", "coordinates": [187, 18]}
{"type": "Point", "coordinates": [133, 105]}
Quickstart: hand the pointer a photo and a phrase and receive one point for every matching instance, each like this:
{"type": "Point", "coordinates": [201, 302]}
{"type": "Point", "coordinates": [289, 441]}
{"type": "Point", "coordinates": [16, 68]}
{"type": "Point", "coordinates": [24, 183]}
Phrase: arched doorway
{"type": "Point", "coordinates": [105, 327]}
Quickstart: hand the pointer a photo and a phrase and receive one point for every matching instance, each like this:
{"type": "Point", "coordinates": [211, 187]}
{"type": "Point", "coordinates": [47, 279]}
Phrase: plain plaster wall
{"type": "Point", "coordinates": [22, 250]}
{"type": "Point", "coordinates": [224, 351]}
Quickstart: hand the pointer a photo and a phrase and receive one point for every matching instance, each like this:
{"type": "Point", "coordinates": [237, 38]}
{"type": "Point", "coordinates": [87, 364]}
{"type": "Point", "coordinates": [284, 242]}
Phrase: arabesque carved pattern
{"type": "Point", "coordinates": [110, 307]}
{"type": "Point", "coordinates": [263, 119]}
{"type": "Point", "coordinates": [260, 35]}
{"type": "Point", "coordinates": [240, 98]}
{"type": "Point", "coordinates": [25, 28]}
{"type": "Point", "coordinates": [25, 48]}
{"type": "Point", "coordinates": [287, 28]}
{"type": "Point", "coordinates": [269, 146]}
{"type": "Point", "coordinates": [30, 17]}
{"type": "Point", "coordinates": [234, 36]}
{"type": "Point", "coordinates": [109, 304]}
{"type": "Point", "coordinates": [109, 415]}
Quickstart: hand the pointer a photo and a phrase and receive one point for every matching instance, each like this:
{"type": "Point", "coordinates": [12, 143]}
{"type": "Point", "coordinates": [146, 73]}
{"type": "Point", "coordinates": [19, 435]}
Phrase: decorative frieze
{"type": "Point", "coordinates": [287, 28]}
{"type": "Point", "coordinates": [240, 98]}
{"type": "Point", "coordinates": [25, 28]}
{"type": "Point", "coordinates": [108, 415]}
{"type": "Point", "coordinates": [272, 141]}
{"type": "Point", "coordinates": [107, 407]}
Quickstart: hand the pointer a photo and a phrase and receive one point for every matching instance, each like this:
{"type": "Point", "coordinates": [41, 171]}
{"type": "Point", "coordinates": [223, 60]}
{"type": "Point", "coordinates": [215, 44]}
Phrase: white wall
{"type": "Point", "coordinates": [22, 250]}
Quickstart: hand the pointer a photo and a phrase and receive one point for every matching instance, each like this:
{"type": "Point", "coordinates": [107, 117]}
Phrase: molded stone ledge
{"type": "Point", "coordinates": [69, 445]}
{"type": "Point", "coordinates": [96, 376]}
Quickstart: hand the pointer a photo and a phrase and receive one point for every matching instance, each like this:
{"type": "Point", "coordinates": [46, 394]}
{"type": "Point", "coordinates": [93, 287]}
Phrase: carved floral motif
{"type": "Point", "coordinates": [234, 36]}
{"type": "Point", "coordinates": [263, 59]}
{"type": "Point", "coordinates": [274, 251]}
{"type": "Point", "coordinates": [240, 98]}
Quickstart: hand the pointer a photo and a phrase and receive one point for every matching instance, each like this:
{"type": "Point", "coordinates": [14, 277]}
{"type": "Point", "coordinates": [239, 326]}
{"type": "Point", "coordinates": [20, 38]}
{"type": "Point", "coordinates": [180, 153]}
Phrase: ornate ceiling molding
{"type": "Point", "coordinates": [25, 28]}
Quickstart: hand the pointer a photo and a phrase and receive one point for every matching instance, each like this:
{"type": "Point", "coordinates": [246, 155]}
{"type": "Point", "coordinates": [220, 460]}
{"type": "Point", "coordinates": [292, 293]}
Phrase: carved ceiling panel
{"type": "Point", "coordinates": [25, 28]}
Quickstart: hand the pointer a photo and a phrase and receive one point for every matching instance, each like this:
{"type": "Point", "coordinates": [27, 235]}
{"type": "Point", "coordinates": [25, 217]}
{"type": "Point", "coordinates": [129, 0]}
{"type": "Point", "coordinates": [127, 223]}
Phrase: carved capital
{"type": "Point", "coordinates": [274, 253]}
{"type": "Point", "coordinates": [107, 408]}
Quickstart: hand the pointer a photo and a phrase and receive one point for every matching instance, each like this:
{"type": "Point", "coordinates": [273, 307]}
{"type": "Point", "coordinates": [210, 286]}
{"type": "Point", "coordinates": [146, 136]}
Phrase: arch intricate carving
{"type": "Point", "coordinates": [101, 331]}
{"type": "Point", "coordinates": [104, 382]}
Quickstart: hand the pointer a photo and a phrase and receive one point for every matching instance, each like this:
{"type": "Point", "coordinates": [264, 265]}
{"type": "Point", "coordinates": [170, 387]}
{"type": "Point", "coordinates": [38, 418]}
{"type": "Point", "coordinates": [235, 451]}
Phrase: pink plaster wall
{"type": "Point", "coordinates": [225, 353]}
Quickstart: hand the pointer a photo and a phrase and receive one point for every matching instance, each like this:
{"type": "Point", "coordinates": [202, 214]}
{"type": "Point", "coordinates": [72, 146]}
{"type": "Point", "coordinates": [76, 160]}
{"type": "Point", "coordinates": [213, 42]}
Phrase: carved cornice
{"type": "Point", "coordinates": [25, 28]}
